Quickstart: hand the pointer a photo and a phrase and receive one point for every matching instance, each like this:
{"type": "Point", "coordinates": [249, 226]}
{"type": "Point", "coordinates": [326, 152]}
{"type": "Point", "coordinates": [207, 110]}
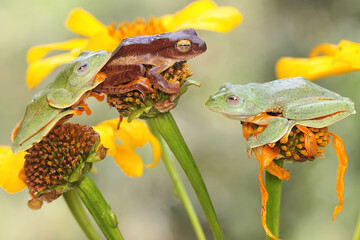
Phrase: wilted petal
{"type": "Point", "coordinates": [83, 23]}
{"type": "Point", "coordinates": [39, 52]}
{"type": "Point", "coordinates": [38, 70]}
{"type": "Point", "coordinates": [129, 161]}
{"type": "Point", "coordinates": [204, 15]}
{"type": "Point", "coordinates": [10, 170]}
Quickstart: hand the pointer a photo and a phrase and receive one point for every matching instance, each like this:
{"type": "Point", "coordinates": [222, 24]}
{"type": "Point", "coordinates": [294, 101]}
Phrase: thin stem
{"type": "Point", "coordinates": [99, 208]}
{"type": "Point", "coordinates": [169, 130]}
{"type": "Point", "coordinates": [179, 188]}
{"type": "Point", "coordinates": [273, 187]}
{"type": "Point", "coordinates": [357, 230]}
{"type": "Point", "coordinates": [78, 211]}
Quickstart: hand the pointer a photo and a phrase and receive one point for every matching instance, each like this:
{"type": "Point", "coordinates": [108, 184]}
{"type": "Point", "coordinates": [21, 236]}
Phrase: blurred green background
{"type": "Point", "coordinates": [146, 207]}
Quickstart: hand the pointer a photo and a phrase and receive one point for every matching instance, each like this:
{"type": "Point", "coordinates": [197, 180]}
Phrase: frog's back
{"type": "Point", "coordinates": [296, 89]}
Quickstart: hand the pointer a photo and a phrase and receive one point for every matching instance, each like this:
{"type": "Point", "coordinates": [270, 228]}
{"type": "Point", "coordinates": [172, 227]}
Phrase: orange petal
{"type": "Point", "coordinates": [83, 23]}
{"type": "Point", "coordinates": [343, 162]}
{"type": "Point", "coordinates": [156, 151]}
{"type": "Point", "coordinates": [129, 161]}
{"type": "Point", "coordinates": [39, 52]}
{"type": "Point", "coordinates": [38, 70]}
{"type": "Point", "coordinates": [10, 170]}
{"type": "Point", "coordinates": [310, 140]}
{"type": "Point", "coordinates": [264, 195]}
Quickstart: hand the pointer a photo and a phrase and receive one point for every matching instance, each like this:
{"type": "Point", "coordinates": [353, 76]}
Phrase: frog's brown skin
{"type": "Point", "coordinates": [162, 51]}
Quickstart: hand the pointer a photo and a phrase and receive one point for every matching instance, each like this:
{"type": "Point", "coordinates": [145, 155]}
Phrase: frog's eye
{"type": "Point", "coordinates": [82, 68]}
{"type": "Point", "coordinates": [233, 100]}
{"type": "Point", "coordinates": [183, 45]}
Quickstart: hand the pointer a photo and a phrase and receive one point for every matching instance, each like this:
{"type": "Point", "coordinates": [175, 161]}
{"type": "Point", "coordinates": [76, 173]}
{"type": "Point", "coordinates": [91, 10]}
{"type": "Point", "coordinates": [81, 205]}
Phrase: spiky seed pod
{"type": "Point", "coordinates": [294, 149]}
{"type": "Point", "coordinates": [133, 104]}
{"type": "Point", "coordinates": [59, 159]}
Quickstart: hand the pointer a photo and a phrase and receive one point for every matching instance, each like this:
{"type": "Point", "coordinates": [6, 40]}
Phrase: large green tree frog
{"type": "Point", "coordinates": [287, 102]}
{"type": "Point", "coordinates": [62, 97]}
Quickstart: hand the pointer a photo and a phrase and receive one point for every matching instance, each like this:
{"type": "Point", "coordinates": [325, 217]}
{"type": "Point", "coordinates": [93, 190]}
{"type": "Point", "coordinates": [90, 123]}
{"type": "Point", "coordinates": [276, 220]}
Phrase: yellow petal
{"type": "Point", "coordinates": [106, 130]}
{"type": "Point", "coordinates": [10, 168]}
{"type": "Point", "coordinates": [38, 70]}
{"type": "Point", "coordinates": [129, 161]}
{"type": "Point", "coordinates": [138, 131]}
{"type": "Point", "coordinates": [156, 151]}
{"type": "Point", "coordinates": [310, 68]}
{"type": "Point", "coordinates": [325, 48]}
{"type": "Point", "coordinates": [83, 23]}
{"type": "Point", "coordinates": [349, 52]}
{"type": "Point", "coordinates": [203, 15]}
{"type": "Point", "coordinates": [38, 52]}
{"type": "Point", "coordinates": [102, 41]}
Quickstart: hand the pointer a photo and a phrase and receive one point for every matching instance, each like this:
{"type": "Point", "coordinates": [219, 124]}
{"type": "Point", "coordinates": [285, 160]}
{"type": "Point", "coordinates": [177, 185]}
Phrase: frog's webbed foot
{"type": "Point", "coordinates": [276, 129]}
{"type": "Point", "coordinates": [159, 82]}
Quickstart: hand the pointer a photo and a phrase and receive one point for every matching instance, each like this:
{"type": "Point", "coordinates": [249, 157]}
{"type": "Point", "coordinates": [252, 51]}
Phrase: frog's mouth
{"type": "Point", "coordinates": [237, 117]}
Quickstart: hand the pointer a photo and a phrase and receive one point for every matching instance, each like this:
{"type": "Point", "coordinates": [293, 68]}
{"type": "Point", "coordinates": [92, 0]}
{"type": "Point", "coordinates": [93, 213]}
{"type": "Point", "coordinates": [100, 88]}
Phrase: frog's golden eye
{"type": "Point", "coordinates": [233, 100]}
{"type": "Point", "coordinates": [183, 45]}
{"type": "Point", "coordinates": [82, 68]}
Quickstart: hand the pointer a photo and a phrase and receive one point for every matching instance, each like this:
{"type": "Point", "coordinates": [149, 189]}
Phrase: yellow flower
{"type": "Point", "coordinates": [202, 14]}
{"type": "Point", "coordinates": [132, 135]}
{"type": "Point", "coordinates": [11, 174]}
{"type": "Point", "coordinates": [337, 59]}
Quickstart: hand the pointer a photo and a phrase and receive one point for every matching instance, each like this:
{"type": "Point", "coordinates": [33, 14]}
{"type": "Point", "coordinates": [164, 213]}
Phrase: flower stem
{"type": "Point", "coordinates": [169, 130]}
{"type": "Point", "coordinates": [99, 208]}
{"type": "Point", "coordinates": [273, 187]}
{"type": "Point", "coordinates": [179, 188]}
{"type": "Point", "coordinates": [357, 230]}
{"type": "Point", "coordinates": [78, 211]}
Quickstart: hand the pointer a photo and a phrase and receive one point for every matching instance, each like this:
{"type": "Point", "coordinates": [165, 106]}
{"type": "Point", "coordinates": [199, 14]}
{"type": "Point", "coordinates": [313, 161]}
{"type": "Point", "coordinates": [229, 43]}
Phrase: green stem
{"type": "Point", "coordinates": [168, 129]}
{"type": "Point", "coordinates": [273, 187]}
{"type": "Point", "coordinates": [357, 230]}
{"type": "Point", "coordinates": [99, 208]}
{"type": "Point", "coordinates": [80, 215]}
{"type": "Point", "coordinates": [179, 188]}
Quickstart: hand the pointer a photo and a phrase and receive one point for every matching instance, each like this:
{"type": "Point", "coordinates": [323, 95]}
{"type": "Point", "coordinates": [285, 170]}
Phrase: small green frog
{"type": "Point", "coordinates": [286, 102]}
{"type": "Point", "coordinates": [162, 51]}
{"type": "Point", "coordinates": [60, 98]}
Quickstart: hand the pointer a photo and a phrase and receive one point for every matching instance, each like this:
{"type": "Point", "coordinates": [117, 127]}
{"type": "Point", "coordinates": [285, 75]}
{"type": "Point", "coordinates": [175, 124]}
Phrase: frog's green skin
{"type": "Point", "coordinates": [54, 102]}
{"type": "Point", "coordinates": [298, 100]}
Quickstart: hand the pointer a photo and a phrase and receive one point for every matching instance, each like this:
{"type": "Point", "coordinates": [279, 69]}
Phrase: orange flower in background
{"type": "Point", "coordinates": [336, 59]}
{"type": "Point", "coordinates": [204, 14]}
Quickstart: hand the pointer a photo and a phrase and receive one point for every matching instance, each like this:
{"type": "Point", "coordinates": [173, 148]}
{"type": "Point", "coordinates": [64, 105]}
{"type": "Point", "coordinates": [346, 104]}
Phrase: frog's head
{"type": "Point", "coordinates": [234, 101]}
{"type": "Point", "coordinates": [181, 45]}
{"type": "Point", "coordinates": [85, 67]}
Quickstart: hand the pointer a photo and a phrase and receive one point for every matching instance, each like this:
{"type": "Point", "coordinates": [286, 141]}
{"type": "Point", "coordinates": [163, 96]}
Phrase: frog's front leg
{"type": "Point", "coordinates": [276, 129]}
{"type": "Point", "coordinates": [159, 82]}
{"type": "Point", "coordinates": [59, 98]}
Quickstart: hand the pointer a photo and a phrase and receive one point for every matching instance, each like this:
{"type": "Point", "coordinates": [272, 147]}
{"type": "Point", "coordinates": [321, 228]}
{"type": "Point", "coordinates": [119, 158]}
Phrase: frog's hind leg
{"type": "Point", "coordinates": [118, 74]}
{"type": "Point", "coordinates": [276, 129]}
{"type": "Point", "coordinates": [159, 82]}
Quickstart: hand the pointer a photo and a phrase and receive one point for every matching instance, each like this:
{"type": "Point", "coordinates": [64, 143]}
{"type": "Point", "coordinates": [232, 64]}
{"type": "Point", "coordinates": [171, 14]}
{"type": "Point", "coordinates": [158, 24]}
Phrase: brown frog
{"type": "Point", "coordinates": [161, 51]}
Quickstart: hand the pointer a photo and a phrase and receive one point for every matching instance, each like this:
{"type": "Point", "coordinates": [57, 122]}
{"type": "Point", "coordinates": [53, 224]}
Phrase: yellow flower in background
{"type": "Point", "coordinates": [204, 14]}
{"type": "Point", "coordinates": [11, 175]}
{"type": "Point", "coordinates": [336, 59]}
{"type": "Point", "coordinates": [131, 135]}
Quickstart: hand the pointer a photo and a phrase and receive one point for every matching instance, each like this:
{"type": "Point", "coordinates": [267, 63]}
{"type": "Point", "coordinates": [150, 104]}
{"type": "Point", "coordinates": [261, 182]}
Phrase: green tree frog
{"type": "Point", "coordinates": [62, 97]}
{"type": "Point", "coordinates": [286, 102]}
